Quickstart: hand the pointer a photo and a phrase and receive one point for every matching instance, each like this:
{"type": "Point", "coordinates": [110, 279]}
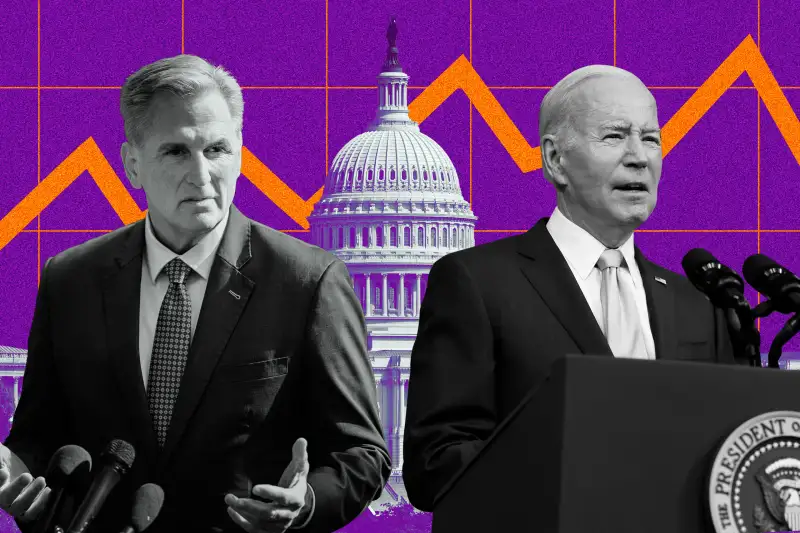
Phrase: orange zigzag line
{"type": "Point", "coordinates": [88, 157]}
{"type": "Point", "coordinates": [459, 75]}
{"type": "Point", "coordinates": [745, 58]}
{"type": "Point", "coordinates": [276, 190]}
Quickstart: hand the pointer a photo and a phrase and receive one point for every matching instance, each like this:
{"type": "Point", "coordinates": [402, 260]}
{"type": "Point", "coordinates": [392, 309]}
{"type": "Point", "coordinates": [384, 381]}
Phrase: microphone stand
{"type": "Point", "coordinates": [749, 335]}
{"type": "Point", "coordinates": [788, 331]}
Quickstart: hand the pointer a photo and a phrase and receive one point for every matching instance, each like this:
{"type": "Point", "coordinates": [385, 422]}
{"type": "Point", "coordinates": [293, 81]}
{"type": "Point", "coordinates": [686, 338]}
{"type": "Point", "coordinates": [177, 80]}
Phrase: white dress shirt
{"type": "Point", "coordinates": [582, 250]}
{"type": "Point", "coordinates": [155, 282]}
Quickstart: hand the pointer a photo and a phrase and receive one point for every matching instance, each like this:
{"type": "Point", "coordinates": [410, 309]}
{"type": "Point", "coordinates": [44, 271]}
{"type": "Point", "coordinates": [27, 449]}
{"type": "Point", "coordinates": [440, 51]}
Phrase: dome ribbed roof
{"type": "Point", "coordinates": [392, 160]}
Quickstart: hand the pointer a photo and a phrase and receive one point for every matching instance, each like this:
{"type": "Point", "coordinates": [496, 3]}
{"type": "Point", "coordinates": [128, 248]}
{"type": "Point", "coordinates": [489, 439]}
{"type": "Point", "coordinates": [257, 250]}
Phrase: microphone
{"type": "Point", "coordinates": [773, 281]}
{"type": "Point", "coordinates": [722, 285]}
{"type": "Point", "coordinates": [117, 460]}
{"type": "Point", "coordinates": [68, 467]}
{"type": "Point", "coordinates": [725, 289]}
{"type": "Point", "coordinates": [147, 504]}
{"type": "Point", "coordinates": [783, 290]}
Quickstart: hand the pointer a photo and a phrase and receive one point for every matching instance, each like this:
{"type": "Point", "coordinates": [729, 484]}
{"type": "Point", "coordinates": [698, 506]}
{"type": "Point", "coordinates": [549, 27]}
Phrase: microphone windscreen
{"type": "Point", "coordinates": [694, 259]}
{"type": "Point", "coordinates": [754, 269]}
{"type": "Point", "coordinates": [65, 462]}
{"type": "Point", "coordinates": [147, 504]}
{"type": "Point", "coordinates": [121, 451]}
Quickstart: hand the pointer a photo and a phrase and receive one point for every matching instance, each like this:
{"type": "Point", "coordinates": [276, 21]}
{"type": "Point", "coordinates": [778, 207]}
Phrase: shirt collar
{"type": "Point", "coordinates": [581, 249]}
{"type": "Point", "coordinates": [200, 257]}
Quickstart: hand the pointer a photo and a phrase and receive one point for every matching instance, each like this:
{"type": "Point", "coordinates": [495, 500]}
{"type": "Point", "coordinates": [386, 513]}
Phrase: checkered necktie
{"type": "Point", "coordinates": [621, 323]}
{"type": "Point", "coordinates": [170, 348]}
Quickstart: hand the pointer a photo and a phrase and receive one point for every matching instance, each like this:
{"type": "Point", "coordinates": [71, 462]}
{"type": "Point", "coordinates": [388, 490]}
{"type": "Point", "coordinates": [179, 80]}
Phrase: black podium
{"type": "Point", "coordinates": [613, 446]}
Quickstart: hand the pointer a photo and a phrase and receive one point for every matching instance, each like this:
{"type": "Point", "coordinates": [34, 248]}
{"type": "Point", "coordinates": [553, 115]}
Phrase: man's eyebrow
{"type": "Point", "coordinates": [626, 127]}
{"type": "Point", "coordinates": [617, 125]}
{"type": "Point", "coordinates": [218, 142]}
{"type": "Point", "coordinates": [166, 147]}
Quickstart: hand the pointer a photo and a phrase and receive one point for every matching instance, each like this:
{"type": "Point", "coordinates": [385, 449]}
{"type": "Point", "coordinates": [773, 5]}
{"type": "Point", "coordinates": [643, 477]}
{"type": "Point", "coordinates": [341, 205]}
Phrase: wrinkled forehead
{"type": "Point", "coordinates": [185, 118]}
{"type": "Point", "coordinates": [613, 99]}
{"type": "Point", "coordinates": [167, 110]}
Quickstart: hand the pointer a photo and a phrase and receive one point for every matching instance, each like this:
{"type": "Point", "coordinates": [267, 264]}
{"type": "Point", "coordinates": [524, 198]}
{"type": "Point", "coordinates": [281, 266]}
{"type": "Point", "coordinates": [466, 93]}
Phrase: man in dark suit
{"type": "Point", "coordinates": [231, 356]}
{"type": "Point", "coordinates": [496, 316]}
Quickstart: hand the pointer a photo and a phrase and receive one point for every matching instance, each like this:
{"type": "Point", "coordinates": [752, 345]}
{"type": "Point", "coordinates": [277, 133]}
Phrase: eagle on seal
{"type": "Point", "coordinates": [780, 487]}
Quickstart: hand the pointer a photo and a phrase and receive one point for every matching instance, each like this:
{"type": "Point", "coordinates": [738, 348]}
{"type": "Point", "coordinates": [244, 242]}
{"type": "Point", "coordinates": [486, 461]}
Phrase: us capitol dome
{"type": "Point", "coordinates": [392, 205]}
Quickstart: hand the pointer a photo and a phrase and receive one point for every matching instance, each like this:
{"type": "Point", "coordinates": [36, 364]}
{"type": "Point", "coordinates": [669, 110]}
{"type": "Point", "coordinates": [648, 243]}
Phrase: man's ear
{"type": "Point", "coordinates": [130, 160]}
{"type": "Point", "coordinates": [551, 162]}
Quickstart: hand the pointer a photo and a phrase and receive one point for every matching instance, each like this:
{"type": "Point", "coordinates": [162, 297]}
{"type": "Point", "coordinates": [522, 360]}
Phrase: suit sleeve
{"type": "Point", "coordinates": [39, 426]}
{"type": "Point", "coordinates": [348, 455]}
{"type": "Point", "coordinates": [451, 408]}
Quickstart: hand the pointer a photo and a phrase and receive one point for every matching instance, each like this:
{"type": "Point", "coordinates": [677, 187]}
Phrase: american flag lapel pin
{"type": "Point", "coordinates": [661, 280]}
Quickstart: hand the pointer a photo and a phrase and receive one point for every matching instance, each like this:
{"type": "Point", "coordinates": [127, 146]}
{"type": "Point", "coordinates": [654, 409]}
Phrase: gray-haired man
{"type": "Point", "coordinates": [495, 317]}
{"type": "Point", "coordinates": [230, 355]}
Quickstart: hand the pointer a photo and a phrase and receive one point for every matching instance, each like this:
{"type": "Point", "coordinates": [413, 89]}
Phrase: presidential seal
{"type": "Point", "coordinates": [754, 484]}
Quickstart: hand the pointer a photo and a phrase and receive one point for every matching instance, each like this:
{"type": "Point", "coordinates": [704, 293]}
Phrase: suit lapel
{"type": "Point", "coordinates": [226, 296]}
{"type": "Point", "coordinates": [660, 308]}
{"type": "Point", "coordinates": [549, 273]}
{"type": "Point", "coordinates": [121, 288]}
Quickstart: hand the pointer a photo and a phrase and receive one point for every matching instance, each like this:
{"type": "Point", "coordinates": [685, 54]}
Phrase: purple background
{"type": "Point", "coordinates": [519, 49]}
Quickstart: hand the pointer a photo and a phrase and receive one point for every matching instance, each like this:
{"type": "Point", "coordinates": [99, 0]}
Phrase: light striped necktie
{"type": "Point", "coordinates": [621, 323]}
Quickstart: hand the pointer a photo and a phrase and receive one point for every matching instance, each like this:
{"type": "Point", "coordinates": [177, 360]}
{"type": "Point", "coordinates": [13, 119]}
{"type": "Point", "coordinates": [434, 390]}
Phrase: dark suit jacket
{"type": "Point", "coordinates": [493, 320]}
{"type": "Point", "coordinates": [284, 358]}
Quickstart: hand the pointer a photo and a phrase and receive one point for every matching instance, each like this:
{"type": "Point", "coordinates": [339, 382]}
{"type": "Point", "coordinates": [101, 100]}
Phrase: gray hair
{"type": "Point", "coordinates": [555, 112]}
{"type": "Point", "coordinates": [183, 76]}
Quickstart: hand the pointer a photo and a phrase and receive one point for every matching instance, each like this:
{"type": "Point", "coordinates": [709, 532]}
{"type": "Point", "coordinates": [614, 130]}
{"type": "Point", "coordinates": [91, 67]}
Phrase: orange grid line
{"type": "Point", "coordinates": [66, 231]}
{"type": "Point", "coordinates": [57, 87]}
{"type": "Point", "coordinates": [38, 134]}
{"type": "Point", "coordinates": [110, 230]}
{"type": "Point", "coordinates": [758, 154]}
{"type": "Point", "coordinates": [362, 87]}
{"type": "Point", "coordinates": [758, 23]}
{"type": "Point", "coordinates": [615, 33]}
{"type": "Point", "coordinates": [287, 87]}
{"type": "Point", "coordinates": [327, 133]}
{"type": "Point", "coordinates": [758, 169]}
{"type": "Point", "coordinates": [691, 88]}
{"type": "Point", "coordinates": [183, 25]}
{"type": "Point", "coordinates": [520, 87]}
{"type": "Point", "coordinates": [665, 230]}
{"type": "Point", "coordinates": [494, 230]}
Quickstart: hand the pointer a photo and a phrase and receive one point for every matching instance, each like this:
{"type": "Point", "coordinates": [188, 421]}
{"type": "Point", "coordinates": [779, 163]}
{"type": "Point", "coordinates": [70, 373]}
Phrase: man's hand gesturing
{"type": "Point", "coordinates": [286, 499]}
